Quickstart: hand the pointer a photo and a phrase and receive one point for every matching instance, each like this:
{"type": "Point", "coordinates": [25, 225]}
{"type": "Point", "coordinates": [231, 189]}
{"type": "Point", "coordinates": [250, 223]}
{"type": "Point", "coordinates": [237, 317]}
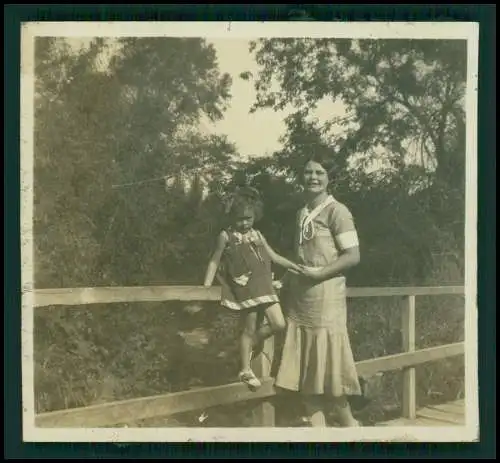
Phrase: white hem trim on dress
{"type": "Point", "coordinates": [249, 302]}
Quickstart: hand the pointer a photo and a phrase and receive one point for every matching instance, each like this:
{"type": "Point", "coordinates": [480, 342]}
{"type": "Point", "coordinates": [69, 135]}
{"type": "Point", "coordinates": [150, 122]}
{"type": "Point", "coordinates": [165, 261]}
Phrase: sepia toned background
{"type": "Point", "coordinates": [136, 140]}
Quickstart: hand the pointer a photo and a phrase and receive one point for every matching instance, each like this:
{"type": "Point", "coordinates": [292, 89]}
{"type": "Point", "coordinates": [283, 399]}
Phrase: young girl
{"type": "Point", "coordinates": [243, 258]}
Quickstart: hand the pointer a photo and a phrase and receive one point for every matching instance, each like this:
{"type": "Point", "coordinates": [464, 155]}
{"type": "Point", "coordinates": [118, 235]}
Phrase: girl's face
{"type": "Point", "coordinates": [244, 219]}
{"type": "Point", "coordinates": [315, 178]}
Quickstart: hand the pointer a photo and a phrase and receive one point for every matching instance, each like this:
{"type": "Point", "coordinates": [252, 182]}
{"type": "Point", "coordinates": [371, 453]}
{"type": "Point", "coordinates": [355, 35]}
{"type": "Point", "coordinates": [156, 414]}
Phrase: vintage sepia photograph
{"type": "Point", "coordinates": [249, 231]}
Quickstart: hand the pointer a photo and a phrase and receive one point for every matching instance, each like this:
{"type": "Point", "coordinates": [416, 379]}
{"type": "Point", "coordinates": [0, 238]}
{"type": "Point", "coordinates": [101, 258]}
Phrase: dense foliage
{"type": "Point", "coordinates": [117, 139]}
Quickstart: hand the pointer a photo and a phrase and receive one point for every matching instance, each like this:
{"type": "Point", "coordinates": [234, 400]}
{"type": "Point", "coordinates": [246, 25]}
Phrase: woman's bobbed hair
{"type": "Point", "coordinates": [324, 160]}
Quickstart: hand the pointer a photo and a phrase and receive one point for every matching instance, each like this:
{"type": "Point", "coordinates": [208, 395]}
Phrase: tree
{"type": "Point", "coordinates": [112, 121]}
{"type": "Point", "coordinates": [397, 93]}
{"type": "Point", "coordinates": [403, 104]}
{"type": "Point", "coordinates": [70, 162]}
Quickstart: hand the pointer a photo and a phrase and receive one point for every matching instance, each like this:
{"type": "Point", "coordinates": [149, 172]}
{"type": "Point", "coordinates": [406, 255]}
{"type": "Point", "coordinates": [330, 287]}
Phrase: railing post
{"type": "Point", "coordinates": [409, 405]}
{"type": "Point", "coordinates": [264, 414]}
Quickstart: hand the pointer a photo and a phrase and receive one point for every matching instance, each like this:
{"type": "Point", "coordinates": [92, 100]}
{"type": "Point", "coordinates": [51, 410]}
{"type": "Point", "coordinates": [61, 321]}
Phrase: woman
{"type": "Point", "coordinates": [317, 360]}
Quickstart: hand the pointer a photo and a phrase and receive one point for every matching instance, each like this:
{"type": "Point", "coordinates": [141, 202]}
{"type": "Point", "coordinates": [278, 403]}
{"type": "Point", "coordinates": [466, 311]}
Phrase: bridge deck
{"type": "Point", "coordinates": [447, 414]}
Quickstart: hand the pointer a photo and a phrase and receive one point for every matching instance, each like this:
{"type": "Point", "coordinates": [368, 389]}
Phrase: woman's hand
{"type": "Point", "coordinates": [295, 268]}
{"type": "Point", "coordinates": [315, 274]}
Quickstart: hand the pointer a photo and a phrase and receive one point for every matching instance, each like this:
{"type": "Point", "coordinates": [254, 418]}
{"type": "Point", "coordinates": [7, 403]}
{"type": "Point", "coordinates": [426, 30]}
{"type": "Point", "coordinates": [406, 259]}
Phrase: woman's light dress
{"type": "Point", "coordinates": [317, 356]}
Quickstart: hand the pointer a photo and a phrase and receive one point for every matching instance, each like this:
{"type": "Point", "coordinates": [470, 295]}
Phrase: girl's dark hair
{"type": "Point", "coordinates": [243, 198]}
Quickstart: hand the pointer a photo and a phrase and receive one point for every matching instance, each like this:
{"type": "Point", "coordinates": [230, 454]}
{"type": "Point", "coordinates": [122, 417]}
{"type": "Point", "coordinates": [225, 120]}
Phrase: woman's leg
{"type": "Point", "coordinates": [342, 410]}
{"type": "Point", "coordinates": [317, 406]}
{"type": "Point", "coordinates": [314, 406]}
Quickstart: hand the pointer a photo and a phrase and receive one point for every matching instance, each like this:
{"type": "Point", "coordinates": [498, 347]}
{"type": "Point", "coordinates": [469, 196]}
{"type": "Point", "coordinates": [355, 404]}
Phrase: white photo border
{"type": "Point", "coordinates": [468, 31]}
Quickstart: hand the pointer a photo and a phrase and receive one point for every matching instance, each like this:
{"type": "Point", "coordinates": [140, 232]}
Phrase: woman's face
{"type": "Point", "coordinates": [315, 178]}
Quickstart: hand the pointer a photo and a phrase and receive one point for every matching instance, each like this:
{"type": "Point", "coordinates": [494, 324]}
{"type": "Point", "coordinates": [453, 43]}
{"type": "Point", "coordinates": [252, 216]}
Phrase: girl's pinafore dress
{"type": "Point", "coordinates": [317, 356]}
{"type": "Point", "coordinates": [245, 274]}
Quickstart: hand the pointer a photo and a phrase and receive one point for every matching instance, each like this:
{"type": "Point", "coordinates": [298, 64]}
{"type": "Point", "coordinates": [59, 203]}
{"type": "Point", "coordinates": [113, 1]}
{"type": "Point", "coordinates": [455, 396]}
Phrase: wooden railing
{"type": "Point", "coordinates": [122, 412]}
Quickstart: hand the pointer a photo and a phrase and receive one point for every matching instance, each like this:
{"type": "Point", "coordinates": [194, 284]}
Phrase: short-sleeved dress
{"type": "Point", "coordinates": [246, 274]}
{"type": "Point", "coordinates": [317, 356]}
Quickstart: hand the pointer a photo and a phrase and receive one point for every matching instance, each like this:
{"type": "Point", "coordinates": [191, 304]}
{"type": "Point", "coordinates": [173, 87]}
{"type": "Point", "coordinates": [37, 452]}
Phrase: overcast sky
{"type": "Point", "coordinates": [254, 134]}
{"type": "Point", "coordinates": [258, 133]}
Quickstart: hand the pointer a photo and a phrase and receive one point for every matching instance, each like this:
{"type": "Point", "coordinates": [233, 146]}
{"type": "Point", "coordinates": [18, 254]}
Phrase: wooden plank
{"type": "Point", "coordinates": [447, 414]}
{"type": "Point", "coordinates": [400, 422]}
{"type": "Point", "coordinates": [114, 294]}
{"type": "Point", "coordinates": [447, 409]}
{"type": "Point", "coordinates": [450, 418]}
{"type": "Point", "coordinates": [200, 399]}
{"type": "Point", "coordinates": [406, 291]}
{"type": "Point", "coordinates": [404, 360]}
{"type": "Point", "coordinates": [450, 407]}
{"type": "Point", "coordinates": [409, 405]}
{"type": "Point", "coordinates": [424, 421]}
{"type": "Point", "coordinates": [106, 295]}
{"type": "Point", "coordinates": [453, 419]}
{"type": "Point", "coordinates": [150, 407]}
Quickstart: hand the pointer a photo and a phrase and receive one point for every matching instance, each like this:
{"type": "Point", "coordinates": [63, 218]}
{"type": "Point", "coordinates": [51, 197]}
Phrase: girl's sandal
{"type": "Point", "coordinates": [248, 377]}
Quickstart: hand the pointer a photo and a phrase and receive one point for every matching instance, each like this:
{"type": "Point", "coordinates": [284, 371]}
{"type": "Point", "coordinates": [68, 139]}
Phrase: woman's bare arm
{"type": "Point", "coordinates": [349, 258]}
{"type": "Point", "coordinates": [214, 262]}
{"type": "Point", "coordinates": [343, 230]}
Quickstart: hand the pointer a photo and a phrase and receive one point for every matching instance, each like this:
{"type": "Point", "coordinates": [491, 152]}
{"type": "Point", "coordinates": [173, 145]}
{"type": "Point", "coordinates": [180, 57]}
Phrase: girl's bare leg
{"type": "Point", "coordinates": [276, 323]}
{"type": "Point", "coordinates": [276, 320]}
{"type": "Point", "coordinates": [247, 339]}
{"type": "Point", "coordinates": [246, 344]}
